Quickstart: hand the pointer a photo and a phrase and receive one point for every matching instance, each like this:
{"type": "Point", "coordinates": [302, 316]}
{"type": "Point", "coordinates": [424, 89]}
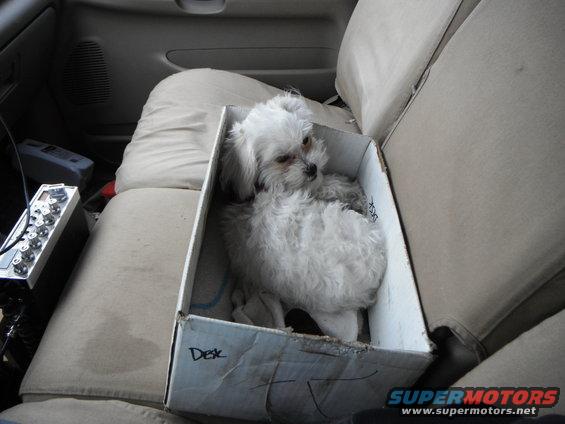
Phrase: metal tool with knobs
{"type": "Point", "coordinates": [34, 270]}
{"type": "Point", "coordinates": [51, 210]}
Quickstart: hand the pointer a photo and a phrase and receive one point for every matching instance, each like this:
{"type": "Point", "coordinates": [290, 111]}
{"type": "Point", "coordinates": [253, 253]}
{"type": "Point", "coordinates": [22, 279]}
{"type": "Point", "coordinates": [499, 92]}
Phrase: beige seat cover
{"type": "Point", "coordinates": [385, 50]}
{"type": "Point", "coordinates": [110, 335]}
{"type": "Point", "coordinates": [478, 169]}
{"type": "Point", "coordinates": [535, 359]}
{"type": "Point", "coordinates": [74, 411]}
{"type": "Point", "coordinates": [173, 140]}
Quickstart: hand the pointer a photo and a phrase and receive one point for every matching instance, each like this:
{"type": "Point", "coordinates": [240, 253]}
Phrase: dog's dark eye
{"type": "Point", "coordinates": [305, 140]}
{"type": "Point", "coordinates": [282, 158]}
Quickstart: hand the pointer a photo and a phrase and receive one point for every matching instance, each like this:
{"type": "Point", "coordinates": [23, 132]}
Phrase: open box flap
{"type": "Point", "coordinates": [195, 243]}
{"type": "Point", "coordinates": [397, 299]}
{"type": "Point", "coordinates": [191, 262]}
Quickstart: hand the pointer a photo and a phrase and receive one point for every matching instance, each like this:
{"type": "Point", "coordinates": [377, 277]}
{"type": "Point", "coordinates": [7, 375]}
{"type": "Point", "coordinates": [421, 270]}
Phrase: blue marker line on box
{"type": "Point", "coordinates": [217, 297]}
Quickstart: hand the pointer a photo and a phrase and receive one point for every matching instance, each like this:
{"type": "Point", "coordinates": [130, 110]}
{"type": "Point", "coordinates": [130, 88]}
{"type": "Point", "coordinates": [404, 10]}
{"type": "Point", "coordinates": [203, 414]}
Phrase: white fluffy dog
{"type": "Point", "coordinates": [295, 232]}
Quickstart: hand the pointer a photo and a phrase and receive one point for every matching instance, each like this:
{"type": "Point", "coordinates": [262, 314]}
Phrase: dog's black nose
{"type": "Point", "coordinates": [311, 169]}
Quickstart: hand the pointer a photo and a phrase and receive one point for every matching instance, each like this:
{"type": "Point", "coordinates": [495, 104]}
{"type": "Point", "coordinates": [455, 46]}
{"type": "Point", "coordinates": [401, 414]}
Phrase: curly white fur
{"type": "Point", "coordinates": [297, 233]}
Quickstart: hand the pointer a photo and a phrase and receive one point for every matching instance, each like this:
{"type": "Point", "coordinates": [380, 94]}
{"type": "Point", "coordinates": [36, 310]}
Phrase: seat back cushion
{"type": "Point", "coordinates": [535, 359]}
{"type": "Point", "coordinates": [477, 164]}
{"type": "Point", "coordinates": [172, 142]}
{"type": "Point", "coordinates": [385, 49]}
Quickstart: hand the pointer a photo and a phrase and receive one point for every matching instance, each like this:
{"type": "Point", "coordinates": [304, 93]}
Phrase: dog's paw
{"type": "Point", "coordinates": [357, 200]}
{"type": "Point", "coordinates": [340, 188]}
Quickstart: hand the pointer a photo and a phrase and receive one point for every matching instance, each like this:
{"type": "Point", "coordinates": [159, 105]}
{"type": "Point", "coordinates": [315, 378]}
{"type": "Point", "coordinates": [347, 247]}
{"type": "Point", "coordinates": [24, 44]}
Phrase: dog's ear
{"type": "Point", "coordinates": [239, 164]}
{"type": "Point", "coordinates": [293, 103]}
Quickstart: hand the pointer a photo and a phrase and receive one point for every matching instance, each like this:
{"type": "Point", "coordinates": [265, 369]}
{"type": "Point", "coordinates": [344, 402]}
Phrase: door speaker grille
{"type": "Point", "coordinates": [85, 76]}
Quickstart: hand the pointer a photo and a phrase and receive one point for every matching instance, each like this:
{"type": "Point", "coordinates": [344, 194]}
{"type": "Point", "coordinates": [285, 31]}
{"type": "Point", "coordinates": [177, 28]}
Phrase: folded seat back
{"type": "Point", "coordinates": [477, 164]}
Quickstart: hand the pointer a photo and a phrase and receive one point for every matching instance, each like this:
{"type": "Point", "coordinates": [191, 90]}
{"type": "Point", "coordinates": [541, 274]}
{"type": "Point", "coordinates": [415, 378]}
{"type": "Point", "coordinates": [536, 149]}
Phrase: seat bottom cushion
{"type": "Point", "coordinates": [174, 137]}
{"type": "Point", "coordinates": [110, 335]}
{"type": "Point", "coordinates": [535, 359]}
{"type": "Point", "coordinates": [73, 411]}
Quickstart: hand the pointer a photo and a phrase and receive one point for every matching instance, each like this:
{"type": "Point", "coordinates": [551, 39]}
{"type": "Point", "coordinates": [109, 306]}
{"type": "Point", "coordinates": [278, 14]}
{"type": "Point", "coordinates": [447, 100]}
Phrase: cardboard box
{"type": "Point", "coordinates": [219, 367]}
